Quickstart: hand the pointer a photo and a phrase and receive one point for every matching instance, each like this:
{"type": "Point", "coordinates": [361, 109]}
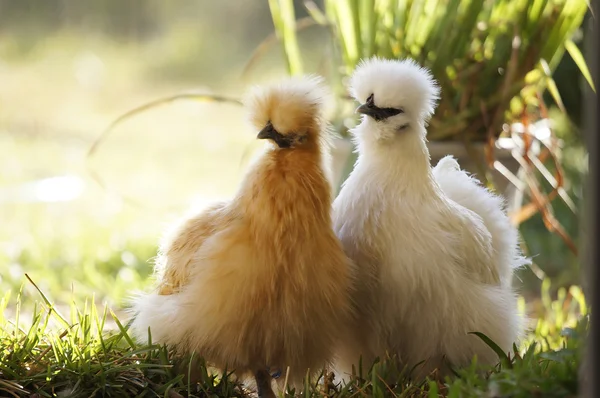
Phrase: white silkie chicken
{"type": "Point", "coordinates": [431, 269]}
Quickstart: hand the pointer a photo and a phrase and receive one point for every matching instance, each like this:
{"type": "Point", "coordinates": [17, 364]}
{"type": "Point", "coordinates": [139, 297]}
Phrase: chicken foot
{"type": "Point", "coordinates": [263, 384]}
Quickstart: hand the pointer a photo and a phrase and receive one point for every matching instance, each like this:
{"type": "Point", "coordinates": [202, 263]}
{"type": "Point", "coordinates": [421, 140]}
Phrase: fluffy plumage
{"type": "Point", "coordinates": [428, 270]}
{"type": "Point", "coordinates": [467, 191]}
{"type": "Point", "coordinates": [261, 280]}
{"type": "Point", "coordinates": [378, 77]}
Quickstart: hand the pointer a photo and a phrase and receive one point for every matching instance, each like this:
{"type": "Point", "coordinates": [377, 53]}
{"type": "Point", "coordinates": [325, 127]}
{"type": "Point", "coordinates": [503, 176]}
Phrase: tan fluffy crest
{"type": "Point", "coordinates": [294, 106]}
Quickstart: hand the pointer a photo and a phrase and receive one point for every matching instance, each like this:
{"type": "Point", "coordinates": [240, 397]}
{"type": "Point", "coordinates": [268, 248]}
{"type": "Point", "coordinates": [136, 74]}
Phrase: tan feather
{"type": "Point", "coordinates": [262, 280]}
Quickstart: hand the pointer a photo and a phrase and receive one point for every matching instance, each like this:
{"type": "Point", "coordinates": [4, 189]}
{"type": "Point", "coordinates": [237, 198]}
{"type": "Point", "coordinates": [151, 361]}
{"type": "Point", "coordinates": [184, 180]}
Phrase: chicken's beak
{"type": "Point", "coordinates": [371, 111]}
{"type": "Point", "coordinates": [363, 109]}
{"type": "Point", "coordinates": [377, 113]}
{"type": "Point", "coordinates": [267, 132]}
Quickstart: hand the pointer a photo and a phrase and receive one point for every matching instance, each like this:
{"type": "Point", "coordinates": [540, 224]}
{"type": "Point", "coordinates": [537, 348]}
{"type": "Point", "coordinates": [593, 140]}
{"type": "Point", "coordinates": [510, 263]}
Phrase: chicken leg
{"type": "Point", "coordinates": [263, 384]}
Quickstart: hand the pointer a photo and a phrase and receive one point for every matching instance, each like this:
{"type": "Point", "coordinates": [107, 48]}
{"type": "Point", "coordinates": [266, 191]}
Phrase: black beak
{"type": "Point", "coordinates": [365, 109]}
{"type": "Point", "coordinates": [377, 113]}
{"type": "Point", "coordinates": [267, 132]}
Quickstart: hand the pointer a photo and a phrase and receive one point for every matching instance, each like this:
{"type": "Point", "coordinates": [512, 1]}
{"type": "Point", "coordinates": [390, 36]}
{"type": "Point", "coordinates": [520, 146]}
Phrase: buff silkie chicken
{"type": "Point", "coordinates": [427, 267]}
{"type": "Point", "coordinates": [261, 281]}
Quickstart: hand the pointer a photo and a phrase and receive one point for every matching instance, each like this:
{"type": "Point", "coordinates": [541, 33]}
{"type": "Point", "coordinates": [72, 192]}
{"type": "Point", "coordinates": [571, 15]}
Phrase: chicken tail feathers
{"type": "Point", "coordinates": [152, 316]}
{"type": "Point", "coordinates": [468, 192]}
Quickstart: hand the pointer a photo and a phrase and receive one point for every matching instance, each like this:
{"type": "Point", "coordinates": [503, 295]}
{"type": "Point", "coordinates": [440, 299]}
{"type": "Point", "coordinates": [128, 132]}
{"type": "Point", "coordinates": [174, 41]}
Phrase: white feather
{"type": "Point", "coordinates": [428, 268]}
{"type": "Point", "coordinates": [468, 192]}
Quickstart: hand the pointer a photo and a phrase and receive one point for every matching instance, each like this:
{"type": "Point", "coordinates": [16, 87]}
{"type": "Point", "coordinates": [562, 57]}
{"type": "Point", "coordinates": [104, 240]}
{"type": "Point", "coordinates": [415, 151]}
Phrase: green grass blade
{"type": "Point", "coordinates": [433, 390]}
{"type": "Point", "coordinates": [413, 25]}
{"type": "Point", "coordinates": [441, 35]}
{"type": "Point", "coordinates": [499, 351]}
{"type": "Point", "coordinates": [368, 26]}
{"type": "Point", "coordinates": [284, 19]}
{"type": "Point", "coordinates": [431, 16]}
{"type": "Point", "coordinates": [551, 86]}
{"type": "Point", "coordinates": [467, 25]}
{"type": "Point", "coordinates": [276, 16]}
{"type": "Point", "coordinates": [48, 303]}
{"type": "Point", "coordinates": [3, 305]}
{"type": "Point", "coordinates": [349, 30]}
{"type": "Point", "coordinates": [123, 331]}
{"type": "Point", "coordinates": [573, 50]}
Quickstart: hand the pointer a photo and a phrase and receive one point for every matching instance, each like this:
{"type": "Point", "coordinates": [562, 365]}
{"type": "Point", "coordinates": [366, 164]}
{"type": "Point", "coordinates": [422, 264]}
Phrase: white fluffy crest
{"type": "Point", "coordinates": [396, 84]}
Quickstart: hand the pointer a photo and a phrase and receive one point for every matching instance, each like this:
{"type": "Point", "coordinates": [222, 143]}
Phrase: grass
{"type": "Point", "coordinates": [80, 356]}
{"type": "Point", "coordinates": [79, 359]}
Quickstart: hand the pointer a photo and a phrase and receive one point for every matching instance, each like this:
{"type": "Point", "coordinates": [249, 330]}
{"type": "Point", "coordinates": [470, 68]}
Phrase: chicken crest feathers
{"type": "Point", "coordinates": [292, 106]}
{"type": "Point", "coordinates": [396, 83]}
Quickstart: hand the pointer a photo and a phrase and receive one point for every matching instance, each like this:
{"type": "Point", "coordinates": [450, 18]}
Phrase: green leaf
{"type": "Point", "coordinates": [290, 40]}
{"type": "Point", "coordinates": [123, 331]}
{"type": "Point", "coordinates": [433, 390]}
{"type": "Point", "coordinates": [368, 26]}
{"type": "Point", "coordinates": [346, 12]}
{"type": "Point", "coordinates": [551, 86]}
{"type": "Point", "coordinates": [573, 50]}
{"type": "Point", "coordinates": [499, 351]}
{"type": "Point", "coordinates": [48, 303]}
{"type": "Point", "coordinates": [284, 20]}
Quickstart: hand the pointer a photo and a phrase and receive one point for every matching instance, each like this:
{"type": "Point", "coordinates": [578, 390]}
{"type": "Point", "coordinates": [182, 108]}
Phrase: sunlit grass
{"type": "Point", "coordinates": [73, 353]}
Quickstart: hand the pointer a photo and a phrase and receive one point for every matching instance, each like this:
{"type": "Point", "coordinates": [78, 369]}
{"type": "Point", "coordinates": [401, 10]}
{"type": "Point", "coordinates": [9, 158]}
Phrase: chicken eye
{"type": "Point", "coordinates": [370, 101]}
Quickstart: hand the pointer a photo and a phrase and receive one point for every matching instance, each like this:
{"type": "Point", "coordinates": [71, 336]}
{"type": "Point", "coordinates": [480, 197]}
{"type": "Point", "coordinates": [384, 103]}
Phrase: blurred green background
{"type": "Point", "coordinates": [68, 68]}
